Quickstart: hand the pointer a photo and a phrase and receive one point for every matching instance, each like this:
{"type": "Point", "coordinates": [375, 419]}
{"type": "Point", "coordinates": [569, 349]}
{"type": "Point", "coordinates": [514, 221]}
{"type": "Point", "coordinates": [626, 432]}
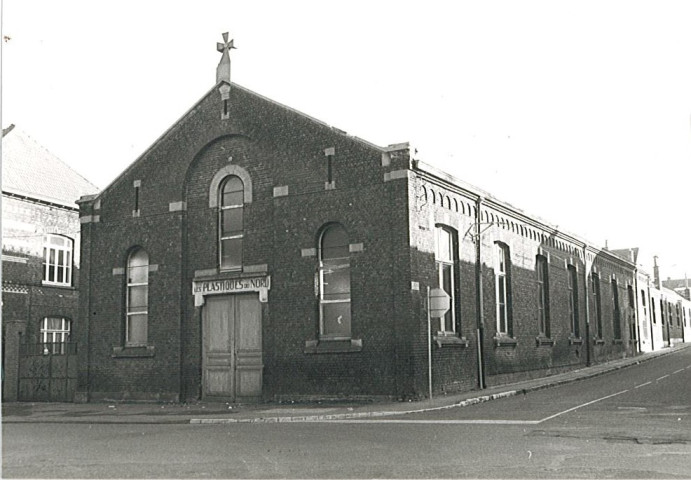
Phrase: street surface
{"type": "Point", "coordinates": [631, 423]}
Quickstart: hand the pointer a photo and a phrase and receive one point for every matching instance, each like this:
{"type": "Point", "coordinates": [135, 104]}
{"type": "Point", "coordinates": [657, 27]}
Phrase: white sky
{"type": "Point", "coordinates": [575, 111]}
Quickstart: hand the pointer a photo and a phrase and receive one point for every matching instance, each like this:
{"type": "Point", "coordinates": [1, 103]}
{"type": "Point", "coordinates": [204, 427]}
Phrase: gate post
{"type": "Point", "coordinates": [13, 337]}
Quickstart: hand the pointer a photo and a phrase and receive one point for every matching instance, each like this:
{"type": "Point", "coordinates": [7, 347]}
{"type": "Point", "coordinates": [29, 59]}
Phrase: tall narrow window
{"type": "Point", "coordinates": [662, 312]}
{"type": "Point", "coordinates": [136, 330]}
{"type": "Point", "coordinates": [55, 332]}
{"type": "Point", "coordinates": [231, 223]}
{"type": "Point", "coordinates": [542, 280]}
{"type": "Point", "coordinates": [598, 305]}
{"type": "Point", "coordinates": [137, 184]}
{"type": "Point", "coordinates": [616, 311]}
{"type": "Point", "coordinates": [445, 256]}
{"type": "Point", "coordinates": [573, 300]}
{"type": "Point", "coordinates": [633, 331]}
{"type": "Point", "coordinates": [57, 260]}
{"type": "Point", "coordinates": [334, 283]}
{"type": "Point", "coordinates": [502, 280]}
{"type": "Point", "coordinates": [652, 309]}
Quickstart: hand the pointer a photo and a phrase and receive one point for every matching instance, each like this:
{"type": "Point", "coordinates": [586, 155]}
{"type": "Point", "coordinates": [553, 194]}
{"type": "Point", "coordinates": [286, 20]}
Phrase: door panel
{"type": "Point", "coordinates": [249, 346]}
{"type": "Point", "coordinates": [218, 361]}
{"type": "Point", "coordinates": [232, 351]}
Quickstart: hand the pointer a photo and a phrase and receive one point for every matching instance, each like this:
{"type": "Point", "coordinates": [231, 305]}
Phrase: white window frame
{"type": "Point", "coordinates": [57, 255]}
{"type": "Point", "coordinates": [322, 281]}
{"type": "Point", "coordinates": [236, 236]}
{"type": "Point", "coordinates": [128, 313]}
{"type": "Point", "coordinates": [54, 338]}
{"type": "Point", "coordinates": [442, 260]}
{"type": "Point", "coordinates": [501, 278]}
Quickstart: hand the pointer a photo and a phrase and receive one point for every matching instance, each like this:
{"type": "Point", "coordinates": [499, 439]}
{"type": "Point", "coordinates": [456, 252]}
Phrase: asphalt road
{"type": "Point", "coordinates": [632, 423]}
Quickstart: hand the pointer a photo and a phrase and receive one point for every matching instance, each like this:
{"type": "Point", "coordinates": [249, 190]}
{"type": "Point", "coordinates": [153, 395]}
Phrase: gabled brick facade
{"type": "Point", "coordinates": [301, 177]}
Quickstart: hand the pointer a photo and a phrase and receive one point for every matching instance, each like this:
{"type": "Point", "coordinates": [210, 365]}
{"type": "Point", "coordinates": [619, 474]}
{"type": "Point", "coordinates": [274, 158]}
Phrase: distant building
{"type": "Point", "coordinates": [40, 265]}
{"type": "Point", "coordinates": [253, 252]}
{"type": "Point", "coordinates": [681, 285]}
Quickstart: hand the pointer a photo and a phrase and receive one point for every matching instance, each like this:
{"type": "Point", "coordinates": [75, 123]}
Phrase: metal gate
{"type": "Point", "coordinates": [47, 372]}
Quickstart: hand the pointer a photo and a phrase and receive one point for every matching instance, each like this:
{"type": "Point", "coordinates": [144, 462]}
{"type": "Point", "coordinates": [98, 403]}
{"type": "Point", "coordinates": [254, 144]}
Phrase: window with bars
{"type": "Point", "coordinates": [54, 334]}
{"type": "Point", "coordinates": [231, 223]}
{"type": "Point", "coordinates": [334, 284]}
{"type": "Point", "coordinates": [136, 329]}
{"type": "Point", "coordinates": [57, 260]}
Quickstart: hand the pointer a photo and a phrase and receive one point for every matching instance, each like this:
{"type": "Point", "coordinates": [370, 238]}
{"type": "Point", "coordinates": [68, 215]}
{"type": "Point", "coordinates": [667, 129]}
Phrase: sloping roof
{"type": "Point", "coordinates": [628, 254]}
{"type": "Point", "coordinates": [676, 283]}
{"type": "Point", "coordinates": [28, 169]}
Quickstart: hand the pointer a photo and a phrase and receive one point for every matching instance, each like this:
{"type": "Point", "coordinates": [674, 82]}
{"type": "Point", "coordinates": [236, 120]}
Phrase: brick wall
{"type": "Point", "coordinates": [26, 301]}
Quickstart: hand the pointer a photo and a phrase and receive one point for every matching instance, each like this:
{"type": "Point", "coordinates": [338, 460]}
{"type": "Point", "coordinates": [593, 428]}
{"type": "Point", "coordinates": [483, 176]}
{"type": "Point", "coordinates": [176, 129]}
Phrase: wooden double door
{"type": "Point", "coordinates": [232, 348]}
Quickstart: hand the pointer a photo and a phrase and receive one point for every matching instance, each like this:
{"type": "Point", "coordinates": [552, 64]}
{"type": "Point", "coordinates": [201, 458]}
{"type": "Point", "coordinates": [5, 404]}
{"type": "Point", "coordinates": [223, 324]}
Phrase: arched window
{"type": "Point", "coordinates": [136, 330]}
{"type": "Point", "coordinates": [334, 283]}
{"type": "Point", "coordinates": [230, 223]}
{"type": "Point", "coordinates": [445, 261]}
{"type": "Point", "coordinates": [572, 274]}
{"type": "Point", "coordinates": [55, 332]}
{"type": "Point", "coordinates": [57, 260]}
{"type": "Point", "coordinates": [542, 282]}
{"type": "Point", "coordinates": [502, 280]}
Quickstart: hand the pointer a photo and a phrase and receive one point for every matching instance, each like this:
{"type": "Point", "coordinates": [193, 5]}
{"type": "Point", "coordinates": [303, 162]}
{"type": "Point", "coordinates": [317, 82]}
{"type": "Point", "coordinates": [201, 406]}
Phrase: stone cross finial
{"type": "Point", "coordinates": [226, 45]}
{"type": "Point", "coordinates": [223, 69]}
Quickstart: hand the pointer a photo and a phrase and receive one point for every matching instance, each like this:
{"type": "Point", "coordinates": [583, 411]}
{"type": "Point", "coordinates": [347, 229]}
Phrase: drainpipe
{"type": "Point", "coordinates": [587, 308]}
{"type": "Point", "coordinates": [637, 317]}
{"type": "Point", "coordinates": [479, 298]}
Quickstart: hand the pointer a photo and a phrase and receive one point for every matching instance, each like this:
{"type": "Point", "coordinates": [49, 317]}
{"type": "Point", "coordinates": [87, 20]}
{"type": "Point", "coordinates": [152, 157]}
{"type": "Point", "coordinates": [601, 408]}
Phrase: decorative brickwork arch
{"type": "Point", "coordinates": [225, 172]}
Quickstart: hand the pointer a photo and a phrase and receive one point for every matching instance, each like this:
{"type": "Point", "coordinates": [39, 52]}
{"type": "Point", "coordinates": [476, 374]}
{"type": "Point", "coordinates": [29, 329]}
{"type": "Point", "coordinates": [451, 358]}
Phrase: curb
{"type": "Point", "coordinates": [541, 383]}
{"type": "Point", "coordinates": [464, 403]}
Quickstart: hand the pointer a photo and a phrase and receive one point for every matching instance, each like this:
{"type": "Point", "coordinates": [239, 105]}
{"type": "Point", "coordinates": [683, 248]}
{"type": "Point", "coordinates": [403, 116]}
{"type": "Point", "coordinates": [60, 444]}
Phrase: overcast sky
{"type": "Point", "coordinates": [578, 112]}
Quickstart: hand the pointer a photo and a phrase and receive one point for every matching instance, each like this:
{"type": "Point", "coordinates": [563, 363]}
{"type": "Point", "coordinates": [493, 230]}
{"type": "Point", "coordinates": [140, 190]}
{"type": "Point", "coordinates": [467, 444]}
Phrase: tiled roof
{"type": "Point", "coordinates": [30, 170]}
{"type": "Point", "coordinates": [676, 283]}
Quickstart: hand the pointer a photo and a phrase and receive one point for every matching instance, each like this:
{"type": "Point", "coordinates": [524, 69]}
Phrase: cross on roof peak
{"type": "Point", "coordinates": [226, 45]}
{"type": "Point", "coordinates": [223, 69]}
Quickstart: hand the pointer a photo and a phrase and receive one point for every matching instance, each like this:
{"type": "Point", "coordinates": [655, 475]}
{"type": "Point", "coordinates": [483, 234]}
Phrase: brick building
{"type": "Point", "coordinates": [253, 252]}
{"type": "Point", "coordinates": [40, 260]}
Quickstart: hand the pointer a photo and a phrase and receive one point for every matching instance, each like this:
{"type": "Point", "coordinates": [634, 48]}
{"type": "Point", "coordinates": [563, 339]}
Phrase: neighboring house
{"type": "Point", "coordinates": [40, 260]}
{"type": "Point", "coordinates": [253, 252]}
{"type": "Point", "coordinates": [681, 285]}
{"type": "Point", "coordinates": [664, 312]}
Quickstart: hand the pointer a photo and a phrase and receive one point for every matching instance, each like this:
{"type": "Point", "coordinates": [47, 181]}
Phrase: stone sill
{"type": "Point", "coordinates": [145, 351]}
{"type": "Point", "coordinates": [575, 341]}
{"type": "Point", "coordinates": [450, 340]}
{"type": "Point", "coordinates": [333, 346]}
{"type": "Point", "coordinates": [63, 286]}
{"type": "Point", "coordinates": [505, 341]}
{"type": "Point", "coordinates": [544, 341]}
{"type": "Point", "coordinates": [598, 341]}
{"type": "Point", "coordinates": [617, 341]}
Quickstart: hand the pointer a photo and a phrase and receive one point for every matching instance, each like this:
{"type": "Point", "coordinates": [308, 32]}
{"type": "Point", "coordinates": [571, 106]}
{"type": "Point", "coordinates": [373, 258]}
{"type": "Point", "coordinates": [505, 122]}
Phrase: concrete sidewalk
{"type": "Point", "coordinates": [208, 413]}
